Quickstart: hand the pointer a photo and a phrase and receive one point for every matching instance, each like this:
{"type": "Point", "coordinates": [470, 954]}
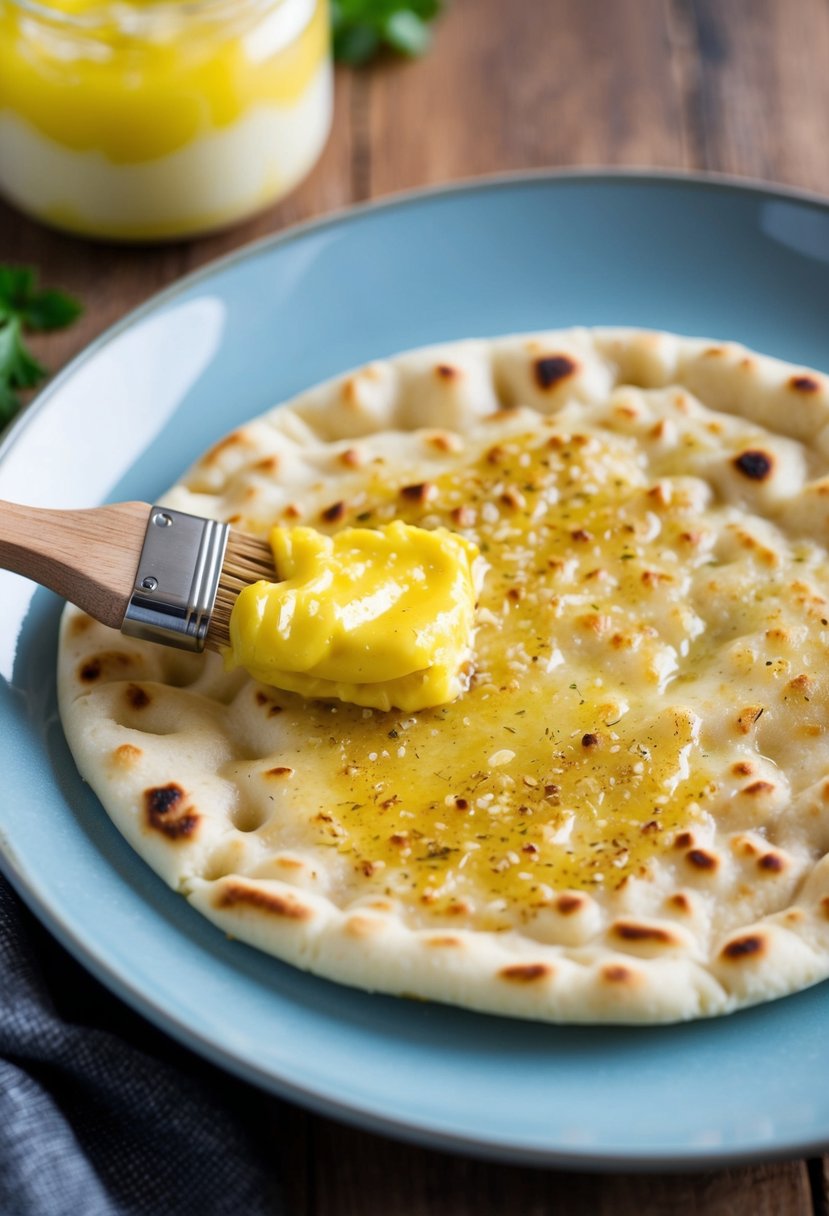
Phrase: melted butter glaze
{"type": "Point", "coordinates": [553, 770]}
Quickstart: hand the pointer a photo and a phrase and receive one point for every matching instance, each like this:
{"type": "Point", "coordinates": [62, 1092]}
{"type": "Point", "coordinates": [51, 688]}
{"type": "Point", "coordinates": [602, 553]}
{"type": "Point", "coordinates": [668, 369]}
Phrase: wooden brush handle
{"type": "Point", "coordinates": [88, 557]}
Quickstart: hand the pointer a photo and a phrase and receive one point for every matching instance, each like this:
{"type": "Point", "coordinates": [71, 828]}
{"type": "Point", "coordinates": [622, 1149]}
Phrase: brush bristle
{"type": "Point", "coordinates": [247, 559]}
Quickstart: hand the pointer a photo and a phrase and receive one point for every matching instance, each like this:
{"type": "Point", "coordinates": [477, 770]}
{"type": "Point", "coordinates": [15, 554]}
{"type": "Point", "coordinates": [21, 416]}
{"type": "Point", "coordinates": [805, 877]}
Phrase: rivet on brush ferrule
{"type": "Point", "coordinates": [177, 579]}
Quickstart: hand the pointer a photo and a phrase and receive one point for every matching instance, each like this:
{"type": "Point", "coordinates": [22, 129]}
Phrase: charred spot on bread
{"type": "Point", "coordinates": [79, 624]}
{"type": "Point", "coordinates": [757, 788]}
{"type": "Point", "coordinates": [754, 464]}
{"type": "Point", "coordinates": [137, 696]}
{"type": "Point", "coordinates": [772, 863]}
{"type": "Point", "coordinates": [333, 514]}
{"type": "Point", "coordinates": [445, 371]}
{"type": "Point", "coordinates": [750, 945]}
{"type": "Point", "coordinates": [526, 973]}
{"type": "Point", "coordinates": [550, 370]}
{"type": "Point", "coordinates": [165, 810]}
{"type": "Point", "coordinates": [567, 903]}
{"type": "Point", "coordinates": [702, 860]}
{"type": "Point", "coordinates": [106, 662]}
{"type": "Point", "coordinates": [633, 931]}
{"type": "Point", "coordinates": [420, 492]}
{"type": "Point", "coordinates": [617, 973]}
{"type": "Point", "coordinates": [804, 384]}
{"type": "Point", "coordinates": [238, 895]}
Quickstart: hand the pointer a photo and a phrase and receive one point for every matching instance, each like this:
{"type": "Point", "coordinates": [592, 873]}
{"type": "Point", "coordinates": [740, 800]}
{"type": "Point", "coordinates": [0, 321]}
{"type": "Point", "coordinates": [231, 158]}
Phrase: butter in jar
{"type": "Point", "coordinates": [156, 119]}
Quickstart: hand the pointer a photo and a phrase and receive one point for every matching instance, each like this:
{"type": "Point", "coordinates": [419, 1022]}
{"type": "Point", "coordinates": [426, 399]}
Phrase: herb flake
{"type": "Point", "coordinates": [364, 27]}
{"type": "Point", "coordinates": [24, 309]}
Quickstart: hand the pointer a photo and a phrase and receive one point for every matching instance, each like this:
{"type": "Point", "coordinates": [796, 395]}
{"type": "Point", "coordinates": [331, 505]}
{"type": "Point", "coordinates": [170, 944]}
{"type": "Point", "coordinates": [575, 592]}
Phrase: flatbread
{"type": "Point", "coordinates": [626, 817]}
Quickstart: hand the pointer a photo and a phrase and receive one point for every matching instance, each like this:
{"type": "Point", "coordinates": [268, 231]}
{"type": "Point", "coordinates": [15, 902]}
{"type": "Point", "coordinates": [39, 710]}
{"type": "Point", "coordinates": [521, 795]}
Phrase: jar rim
{"type": "Point", "coordinates": [160, 10]}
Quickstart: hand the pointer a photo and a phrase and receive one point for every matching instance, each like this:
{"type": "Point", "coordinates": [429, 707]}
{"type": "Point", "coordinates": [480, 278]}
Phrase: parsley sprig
{"type": "Point", "coordinates": [24, 309]}
{"type": "Point", "coordinates": [363, 27]}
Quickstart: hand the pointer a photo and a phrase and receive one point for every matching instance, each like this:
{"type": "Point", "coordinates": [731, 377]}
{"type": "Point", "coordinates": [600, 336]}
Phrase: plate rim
{"type": "Point", "coordinates": [699, 179]}
{"type": "Point", "coordinates": [36, 898]}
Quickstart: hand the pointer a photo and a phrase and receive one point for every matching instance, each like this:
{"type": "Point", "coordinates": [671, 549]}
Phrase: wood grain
{"type": "Point", "coordinates": [819, 1178]}
{"type": "Point", "coordinates": [87, 557]}
{"type": "Point", "coordinates": [753, 89]}
{"type": "Point", "coordinates": [529, 85]}
{"type": "Point", "coordinates": [736, 86]}
{"type": "Point", "coordinates": [356, 1174]}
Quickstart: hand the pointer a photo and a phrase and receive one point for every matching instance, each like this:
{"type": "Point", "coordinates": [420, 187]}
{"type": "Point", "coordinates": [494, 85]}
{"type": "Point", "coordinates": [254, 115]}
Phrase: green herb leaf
{"type": "Point", "coordinates": [17, 284]}
{"type": "Point", "coordinates": [22, 308]}
{"type": "Point", "coordinates": [356, 44]}
{"type": "Point", "coordinates": [9, 404]}
{"type": "Point", "coordinates": [407, 33]}
{"type": "Point", "coordinates": [363, 27]}
{"type": "Point", "coordinates": [51, 310]}
{"type": "Point", "coordinates": [21, 370]}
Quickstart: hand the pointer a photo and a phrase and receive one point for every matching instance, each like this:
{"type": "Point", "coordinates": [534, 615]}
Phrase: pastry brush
{"type": "Point", "coordinates": [152, 572]}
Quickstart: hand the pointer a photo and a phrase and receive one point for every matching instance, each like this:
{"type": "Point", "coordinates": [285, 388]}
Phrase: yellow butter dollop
{"type": "Point", "coordinates": [379, 617]}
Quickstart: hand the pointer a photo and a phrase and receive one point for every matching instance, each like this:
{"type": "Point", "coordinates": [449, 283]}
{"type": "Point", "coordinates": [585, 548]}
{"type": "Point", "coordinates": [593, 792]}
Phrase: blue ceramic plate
{"type": "Point", "coordinates": [697, 257]}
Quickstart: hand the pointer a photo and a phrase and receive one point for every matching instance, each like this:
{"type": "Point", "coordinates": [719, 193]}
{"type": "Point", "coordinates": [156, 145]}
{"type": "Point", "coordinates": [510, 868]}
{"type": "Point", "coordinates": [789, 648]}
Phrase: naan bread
{"type": "Point", "coordinates": [626, 818]}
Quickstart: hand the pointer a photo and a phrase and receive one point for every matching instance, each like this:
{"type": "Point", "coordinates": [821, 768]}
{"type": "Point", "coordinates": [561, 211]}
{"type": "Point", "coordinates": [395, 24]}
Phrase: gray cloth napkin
{"type": "Point", "coordinates": [101, 1114]}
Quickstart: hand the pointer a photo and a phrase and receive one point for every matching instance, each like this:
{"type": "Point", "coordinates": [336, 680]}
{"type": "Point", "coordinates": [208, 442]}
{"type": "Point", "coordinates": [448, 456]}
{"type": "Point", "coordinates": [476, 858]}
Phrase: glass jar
{"type": "Point", "coordinates": [154, 119]}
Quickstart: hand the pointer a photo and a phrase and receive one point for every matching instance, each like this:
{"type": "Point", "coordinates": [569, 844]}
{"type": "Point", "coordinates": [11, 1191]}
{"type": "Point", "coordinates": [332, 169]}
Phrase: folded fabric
{"type": "Point", "coordinates": [101, 1114]}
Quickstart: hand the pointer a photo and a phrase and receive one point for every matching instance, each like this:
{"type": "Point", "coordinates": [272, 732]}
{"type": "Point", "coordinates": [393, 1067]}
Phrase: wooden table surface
{"type": "Point", "coordinates": [736, 86]}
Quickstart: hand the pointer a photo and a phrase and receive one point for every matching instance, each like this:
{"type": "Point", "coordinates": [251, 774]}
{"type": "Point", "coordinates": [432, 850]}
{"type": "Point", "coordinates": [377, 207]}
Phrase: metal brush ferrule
{"type": "Point", "coordinates": [177, 579]}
